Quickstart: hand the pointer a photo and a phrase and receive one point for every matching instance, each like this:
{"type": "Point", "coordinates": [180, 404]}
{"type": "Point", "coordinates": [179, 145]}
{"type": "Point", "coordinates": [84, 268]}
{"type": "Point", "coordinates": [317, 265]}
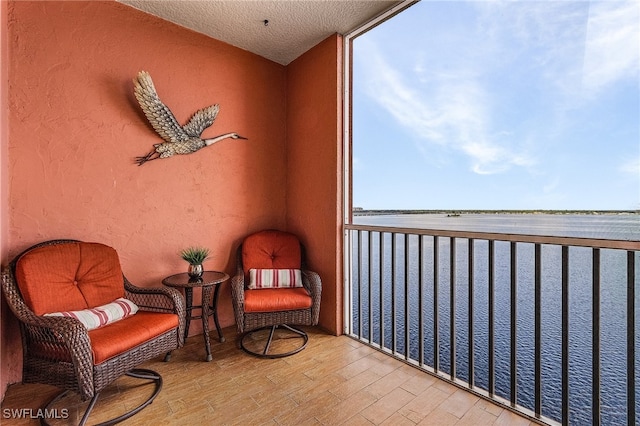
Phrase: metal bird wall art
{"type": "Point", "coordinates": [177, 139]}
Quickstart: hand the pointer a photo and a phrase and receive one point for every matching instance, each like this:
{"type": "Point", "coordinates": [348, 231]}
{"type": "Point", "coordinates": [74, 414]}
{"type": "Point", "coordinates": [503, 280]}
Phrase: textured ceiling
{"type": "Point", "coordinates": [294, 26]}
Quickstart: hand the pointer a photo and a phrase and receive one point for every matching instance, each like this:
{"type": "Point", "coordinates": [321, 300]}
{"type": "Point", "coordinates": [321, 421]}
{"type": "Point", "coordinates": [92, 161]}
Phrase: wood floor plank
{"type": "Point", "coordinates": [423, 404]}
{"type": "Point", "coordinates": [355, 384]}
{"type": "Point", "coordinates": [386, 406]}
{"type": "Point", "coordinates": [459, 403]}
{"type": "Point", "coordinates": [346, 409]}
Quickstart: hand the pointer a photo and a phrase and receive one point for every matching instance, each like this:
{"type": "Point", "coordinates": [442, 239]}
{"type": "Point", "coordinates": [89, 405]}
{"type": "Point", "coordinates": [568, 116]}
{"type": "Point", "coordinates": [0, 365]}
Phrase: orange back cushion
{"type": "Point", "coordinates": [271, 250]}
{"type": "Point", "coordinates": [70, 276]}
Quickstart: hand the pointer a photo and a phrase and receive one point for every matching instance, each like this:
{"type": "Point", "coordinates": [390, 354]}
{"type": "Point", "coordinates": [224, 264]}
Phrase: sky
{"type": "Point", "coordinates": [507, 105]}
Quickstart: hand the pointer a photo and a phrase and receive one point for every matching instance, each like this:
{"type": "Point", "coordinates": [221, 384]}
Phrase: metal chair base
{"type": "Point", "coordinates": [138, 373]}
{"type": "Point", "coordinates": [265, 353]}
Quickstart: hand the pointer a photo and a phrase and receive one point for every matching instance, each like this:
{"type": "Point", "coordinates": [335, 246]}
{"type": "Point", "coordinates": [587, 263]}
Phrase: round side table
{"type": "Point", "coordinates": [210, 280]}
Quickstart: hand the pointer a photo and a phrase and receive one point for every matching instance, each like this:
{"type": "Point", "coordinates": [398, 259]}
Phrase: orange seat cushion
{"type": "Point", "coordinates": [271, 250]}
{"type": "Point", "coordinates": [121, 336]}
{"type": "Point", "coordinates": [276, 299]}
{"type": "Point", "coordinates": [69, 277]}
{"type": "Point", "coordinates": [115, 338]}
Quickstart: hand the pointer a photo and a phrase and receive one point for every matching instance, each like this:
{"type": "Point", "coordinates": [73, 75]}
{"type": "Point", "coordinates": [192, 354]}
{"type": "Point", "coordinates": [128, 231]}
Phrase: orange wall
{"type": "Point", "coordinates": [75, 129]}
{"type": "Point", "coordinates": [314, 156]}
{"type": "Point", "coordinates": [9, 331]}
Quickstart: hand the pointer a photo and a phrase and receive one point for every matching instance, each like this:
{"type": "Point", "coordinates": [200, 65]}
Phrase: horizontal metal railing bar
{"type": "Point", "coordinates": [496, 236]}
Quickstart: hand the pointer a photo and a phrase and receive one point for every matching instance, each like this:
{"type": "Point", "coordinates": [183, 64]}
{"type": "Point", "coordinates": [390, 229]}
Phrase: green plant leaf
{"type": "Point", "coordinates": [195, 255]}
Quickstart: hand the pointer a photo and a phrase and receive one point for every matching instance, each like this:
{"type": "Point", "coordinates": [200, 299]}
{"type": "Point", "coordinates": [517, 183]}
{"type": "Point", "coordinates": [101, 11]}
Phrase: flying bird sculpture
{"type": "Point", "coordinates": [177, 139]}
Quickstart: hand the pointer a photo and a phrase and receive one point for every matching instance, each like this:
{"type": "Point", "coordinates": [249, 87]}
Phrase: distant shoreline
{"type": "Point", "coordinates": [362, 212]}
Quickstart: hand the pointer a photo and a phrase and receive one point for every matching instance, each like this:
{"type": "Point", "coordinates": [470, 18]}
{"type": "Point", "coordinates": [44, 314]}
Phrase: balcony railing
{"type": "Point", "coordinates": [545, 326]}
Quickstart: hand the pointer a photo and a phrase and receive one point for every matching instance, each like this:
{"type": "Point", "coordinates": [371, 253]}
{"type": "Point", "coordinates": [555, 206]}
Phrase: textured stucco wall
{"type": "Point", "coordinates": [9, 331]}
{"type": "Point", "coordinates": [314, 157]}
{"type": "Point", "coordinates": [75, 128]}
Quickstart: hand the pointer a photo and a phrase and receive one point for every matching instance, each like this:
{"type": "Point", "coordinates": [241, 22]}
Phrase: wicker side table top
{"type": "Point", "coordinates": [184, 280]}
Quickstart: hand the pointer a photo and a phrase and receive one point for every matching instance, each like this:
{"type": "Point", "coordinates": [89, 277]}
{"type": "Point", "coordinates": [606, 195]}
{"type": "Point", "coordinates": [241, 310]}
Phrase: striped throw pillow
{"type": "Point", "coordinates": [274, 278]}
{"type": "Point", "coordinates": [101, 315]}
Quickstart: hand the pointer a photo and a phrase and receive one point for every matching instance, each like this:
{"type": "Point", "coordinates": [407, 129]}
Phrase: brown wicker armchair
{"type": "Point", "coordinates": [262, 301]}
{"type": "Point", "coordinates": [50, 288]}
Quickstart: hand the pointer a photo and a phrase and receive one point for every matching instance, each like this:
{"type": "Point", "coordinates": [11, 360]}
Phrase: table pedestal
{"type": "Point", "coordinates": [210, 281]}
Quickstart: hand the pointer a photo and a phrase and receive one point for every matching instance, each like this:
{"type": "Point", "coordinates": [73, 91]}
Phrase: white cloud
{"type": "Point", "coordinates": [612, 45]}
{"type": "Point", "coordinates": [580, 46]}
{"type": "Point", "coordinates": [450, 111]}
{"type": "Point", "coordinates": [548, 32]}
{"type": "Point", "coordinates": [533, 86]}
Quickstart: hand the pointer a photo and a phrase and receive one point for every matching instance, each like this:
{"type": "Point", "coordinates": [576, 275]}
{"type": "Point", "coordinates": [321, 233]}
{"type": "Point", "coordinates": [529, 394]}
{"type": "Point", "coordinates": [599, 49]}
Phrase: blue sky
{"type": "Point", "coordinates": [499, 105]}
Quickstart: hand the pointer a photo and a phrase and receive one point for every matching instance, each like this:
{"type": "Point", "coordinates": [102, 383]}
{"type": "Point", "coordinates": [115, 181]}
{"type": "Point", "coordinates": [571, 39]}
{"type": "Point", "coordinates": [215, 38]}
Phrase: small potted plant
{"type": "Point", "coordinates": [195, 256]}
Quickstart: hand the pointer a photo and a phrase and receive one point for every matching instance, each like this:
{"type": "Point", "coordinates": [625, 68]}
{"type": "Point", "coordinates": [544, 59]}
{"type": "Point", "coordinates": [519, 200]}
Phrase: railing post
{"type": "Point", "coordinates": [491, 319]}
{"type": "Point", "coordinates": [348, 282]}
{"type": "Point", "coordinates": [595, 338]}
{"type": "Point", "coordinates": [470, 347]}
{"type": "Point", "coordinates": [394, 329]}
{"type": "Point", "coordinates": [360, 283]}
{"type": "Point", "coordinates": [565, 335]}
{"type": "Point", "coordinates": [631, 333]}
{"type": "Point", "coordinates": [420, 301]}
{"type": "Point", "coordinates": [452, 306]}
{"type": "Point", "coordinates": [514, 310]}
{"type": "Point", "coordinates": [407, 317]}
{"type": "Point", "coordinates": [436, 320]}
{"type": "Point", "coordinates": [538, 331]}
{"type": "Point", "coordinates": [370, 265]}
{"type": "Point", "coordinates": [381, 283]}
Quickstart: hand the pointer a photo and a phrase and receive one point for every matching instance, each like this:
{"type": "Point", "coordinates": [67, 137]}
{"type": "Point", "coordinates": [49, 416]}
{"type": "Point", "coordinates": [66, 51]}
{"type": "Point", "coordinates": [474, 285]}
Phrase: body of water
{"type": "Point", "coordinates": [612, 304]}
{"type": "Point", "coordinates": [604, 226]}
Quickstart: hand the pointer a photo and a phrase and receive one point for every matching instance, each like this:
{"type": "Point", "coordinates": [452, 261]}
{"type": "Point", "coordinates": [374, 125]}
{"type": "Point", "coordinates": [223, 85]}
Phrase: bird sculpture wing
{"type": "Point", "coordinates": [201, 120]}
{"type": "Point", "coordinates": [159, 115]}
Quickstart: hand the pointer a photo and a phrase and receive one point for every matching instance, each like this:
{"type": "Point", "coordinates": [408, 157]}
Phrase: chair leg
{"type": "Point", "coordinates": [269, 339]}
{"type": "Point", "coordinates": [138, 373]}
{"type": "Point", "coordinates": [92, 404]}
{"type": "Point", "coordinates": [265, 353]}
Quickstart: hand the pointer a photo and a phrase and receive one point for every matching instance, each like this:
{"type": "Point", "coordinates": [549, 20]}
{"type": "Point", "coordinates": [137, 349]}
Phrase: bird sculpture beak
{"type": "Point", "coordinates": [242, 137]}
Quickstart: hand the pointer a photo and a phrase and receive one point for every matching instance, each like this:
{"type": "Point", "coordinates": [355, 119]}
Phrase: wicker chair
{"type": "Point", "coordinates": [276, 310]}
{"type": "Point", "coordinates": [69, 275]}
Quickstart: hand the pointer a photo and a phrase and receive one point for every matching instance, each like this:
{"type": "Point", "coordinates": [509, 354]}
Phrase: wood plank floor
{"type": "Point", "coordinates": [335, 380]}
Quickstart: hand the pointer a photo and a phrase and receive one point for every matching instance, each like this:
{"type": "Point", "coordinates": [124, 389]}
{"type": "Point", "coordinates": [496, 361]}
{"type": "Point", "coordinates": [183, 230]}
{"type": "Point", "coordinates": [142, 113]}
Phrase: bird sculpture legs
{"type": "Point", "coordinates": [150, 156]}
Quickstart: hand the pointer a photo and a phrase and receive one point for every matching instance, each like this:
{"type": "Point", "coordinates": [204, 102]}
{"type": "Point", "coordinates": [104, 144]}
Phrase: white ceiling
{"type": "Point", "coordinates": [294, 26]}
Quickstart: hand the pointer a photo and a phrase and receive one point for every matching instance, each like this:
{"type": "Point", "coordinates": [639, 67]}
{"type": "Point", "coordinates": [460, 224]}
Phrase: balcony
{"type": "Point", "coordinates": [436, 365]}
{"type": "Point", "coordinates": [335, 380]}
{"type": "Point", "coordinates": [542, 325]}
